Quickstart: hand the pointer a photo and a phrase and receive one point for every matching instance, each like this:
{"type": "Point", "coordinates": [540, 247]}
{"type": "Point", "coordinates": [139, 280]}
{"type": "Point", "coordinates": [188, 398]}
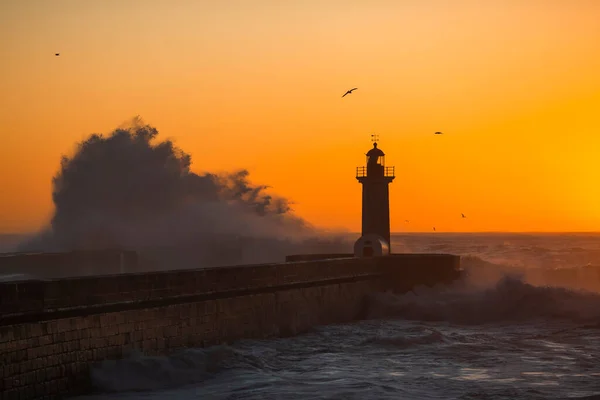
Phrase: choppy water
{"type": "Point", "coordinates": [494, 337]}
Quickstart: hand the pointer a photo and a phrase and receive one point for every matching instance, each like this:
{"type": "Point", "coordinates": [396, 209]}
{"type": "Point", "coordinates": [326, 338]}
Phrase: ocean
{"type": "Point", "coordinates": [501, 334]}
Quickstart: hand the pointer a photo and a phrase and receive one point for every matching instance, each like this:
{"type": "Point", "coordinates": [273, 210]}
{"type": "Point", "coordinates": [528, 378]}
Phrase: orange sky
{"type": "Point", "coordinates": [514, 84]}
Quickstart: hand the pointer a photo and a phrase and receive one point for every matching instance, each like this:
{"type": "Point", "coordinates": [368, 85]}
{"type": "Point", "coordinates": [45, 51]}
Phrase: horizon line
{"type": "Point", "coordinates": [408, 232]}
{"type": "Point", "coordinates": [492, 232]}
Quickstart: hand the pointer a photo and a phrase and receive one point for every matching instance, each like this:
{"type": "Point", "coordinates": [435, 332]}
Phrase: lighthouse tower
{"type": "Point", "coordinates": [375, 179]}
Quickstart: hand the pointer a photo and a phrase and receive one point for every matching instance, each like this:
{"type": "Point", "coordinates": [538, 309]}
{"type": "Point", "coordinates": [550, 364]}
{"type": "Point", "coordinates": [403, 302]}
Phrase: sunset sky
{"type": "Point", "coordinates": [513, 84]}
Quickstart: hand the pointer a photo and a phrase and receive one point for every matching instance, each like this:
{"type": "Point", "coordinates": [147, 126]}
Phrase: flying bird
{"type": "Point", "coordinates": [57, 54]}
{"type": "Point", "coordinates": [463, 215]}
{"type": "Point", "coordinates": [349, 91]}
{"type": "Point", "coordinates": [434, 228]}
{"type": "Point", "coordinates": [437, 133]}
{"type": "Point", "coordinates": [405, 220]}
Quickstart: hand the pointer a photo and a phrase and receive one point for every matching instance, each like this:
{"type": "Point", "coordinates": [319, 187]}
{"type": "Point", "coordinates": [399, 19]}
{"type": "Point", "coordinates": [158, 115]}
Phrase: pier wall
{"type": "Point", "coordinates": [73, 263]}
{"type": "Point", "coordinates": [53, 331]}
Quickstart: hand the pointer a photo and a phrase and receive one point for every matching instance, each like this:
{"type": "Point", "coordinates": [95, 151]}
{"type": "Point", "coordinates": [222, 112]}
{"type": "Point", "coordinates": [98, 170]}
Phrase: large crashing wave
{"type": "Point", "coordinates": [129, 190]}
{"type": "Point", "coordinates": [508, 300]}
{"type": "Point", "coordinates": [498, 293]}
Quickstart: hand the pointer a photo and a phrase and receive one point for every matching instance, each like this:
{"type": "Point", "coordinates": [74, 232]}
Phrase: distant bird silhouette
{"type": "Point", "coordinates": [349, 91]}
{"type": "Point", "coordinates": [434, 228]}
{"type": "Point", "coordinates": [57, 54]}
{"type": "Point", "coordinates": [437, 133]}
{"type": "Point", "coordinates": [463, 215]}
{"type": "Point", "coordinates": [405, 220]}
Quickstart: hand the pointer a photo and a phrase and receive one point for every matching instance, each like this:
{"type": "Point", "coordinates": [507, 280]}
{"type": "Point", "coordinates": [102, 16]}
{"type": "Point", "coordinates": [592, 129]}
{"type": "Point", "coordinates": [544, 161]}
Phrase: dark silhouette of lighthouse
{"type": "Point", "coordinates": [375, 179]}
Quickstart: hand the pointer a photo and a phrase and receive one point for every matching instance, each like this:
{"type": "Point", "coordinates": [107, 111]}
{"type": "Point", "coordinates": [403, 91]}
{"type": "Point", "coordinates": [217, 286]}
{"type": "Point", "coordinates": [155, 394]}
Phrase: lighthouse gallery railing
{"type": "Point", "coordinates": [388, 172]}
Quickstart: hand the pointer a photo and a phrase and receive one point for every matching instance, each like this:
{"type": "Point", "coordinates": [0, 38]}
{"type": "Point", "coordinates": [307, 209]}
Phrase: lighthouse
{"type": "Point", "coordinates": [375, 178]}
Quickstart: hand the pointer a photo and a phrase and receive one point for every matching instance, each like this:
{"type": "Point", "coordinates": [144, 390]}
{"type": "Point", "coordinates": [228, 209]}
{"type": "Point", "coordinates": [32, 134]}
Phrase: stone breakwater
{"type": "Point", "coordinates": [53, 331]}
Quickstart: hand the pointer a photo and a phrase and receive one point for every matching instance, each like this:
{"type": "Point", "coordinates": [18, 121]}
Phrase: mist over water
{"type": "Point", "coordinates": [131, 190]}
{"type": "Point", "coordinates": [567, 260]}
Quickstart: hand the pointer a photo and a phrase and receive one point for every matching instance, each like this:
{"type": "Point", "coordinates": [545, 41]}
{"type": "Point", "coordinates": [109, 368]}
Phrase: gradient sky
{"type": "Point", "coordinates": [513, 84]}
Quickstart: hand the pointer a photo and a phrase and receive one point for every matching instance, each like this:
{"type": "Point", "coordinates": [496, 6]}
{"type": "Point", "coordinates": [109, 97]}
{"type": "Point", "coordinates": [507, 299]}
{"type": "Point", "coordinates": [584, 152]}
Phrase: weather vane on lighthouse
{"type": "Point", "coordinates": [374, 138]}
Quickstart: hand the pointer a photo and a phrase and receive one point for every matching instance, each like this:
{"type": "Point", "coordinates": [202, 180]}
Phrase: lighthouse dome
{"type": "Point", "coordinates": [375, 151]}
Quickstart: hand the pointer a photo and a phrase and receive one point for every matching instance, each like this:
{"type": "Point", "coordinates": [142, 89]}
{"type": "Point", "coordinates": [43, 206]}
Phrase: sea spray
{"type": "Point", "coordinates": [509, 300]}
{"type": "Point", "coordinates": [130, 190]}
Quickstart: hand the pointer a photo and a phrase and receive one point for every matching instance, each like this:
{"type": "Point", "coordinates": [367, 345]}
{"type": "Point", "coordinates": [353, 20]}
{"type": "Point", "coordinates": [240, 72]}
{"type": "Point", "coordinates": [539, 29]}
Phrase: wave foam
{"type": "Point", "coordinates": [509, 300]}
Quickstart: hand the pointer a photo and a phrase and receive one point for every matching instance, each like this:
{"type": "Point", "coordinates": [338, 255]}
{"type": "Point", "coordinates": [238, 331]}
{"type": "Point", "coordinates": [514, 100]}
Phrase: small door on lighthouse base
{"type": "Point", "coordinates": [371, 245]}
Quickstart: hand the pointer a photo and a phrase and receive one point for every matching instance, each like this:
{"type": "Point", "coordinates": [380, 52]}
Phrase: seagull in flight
{"type": "Point", "coordinates": [437, 133]}
{"type": "Point", "coordinates": [463, 215]}
{"type": "Point", "coordinates": [349, 91]}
